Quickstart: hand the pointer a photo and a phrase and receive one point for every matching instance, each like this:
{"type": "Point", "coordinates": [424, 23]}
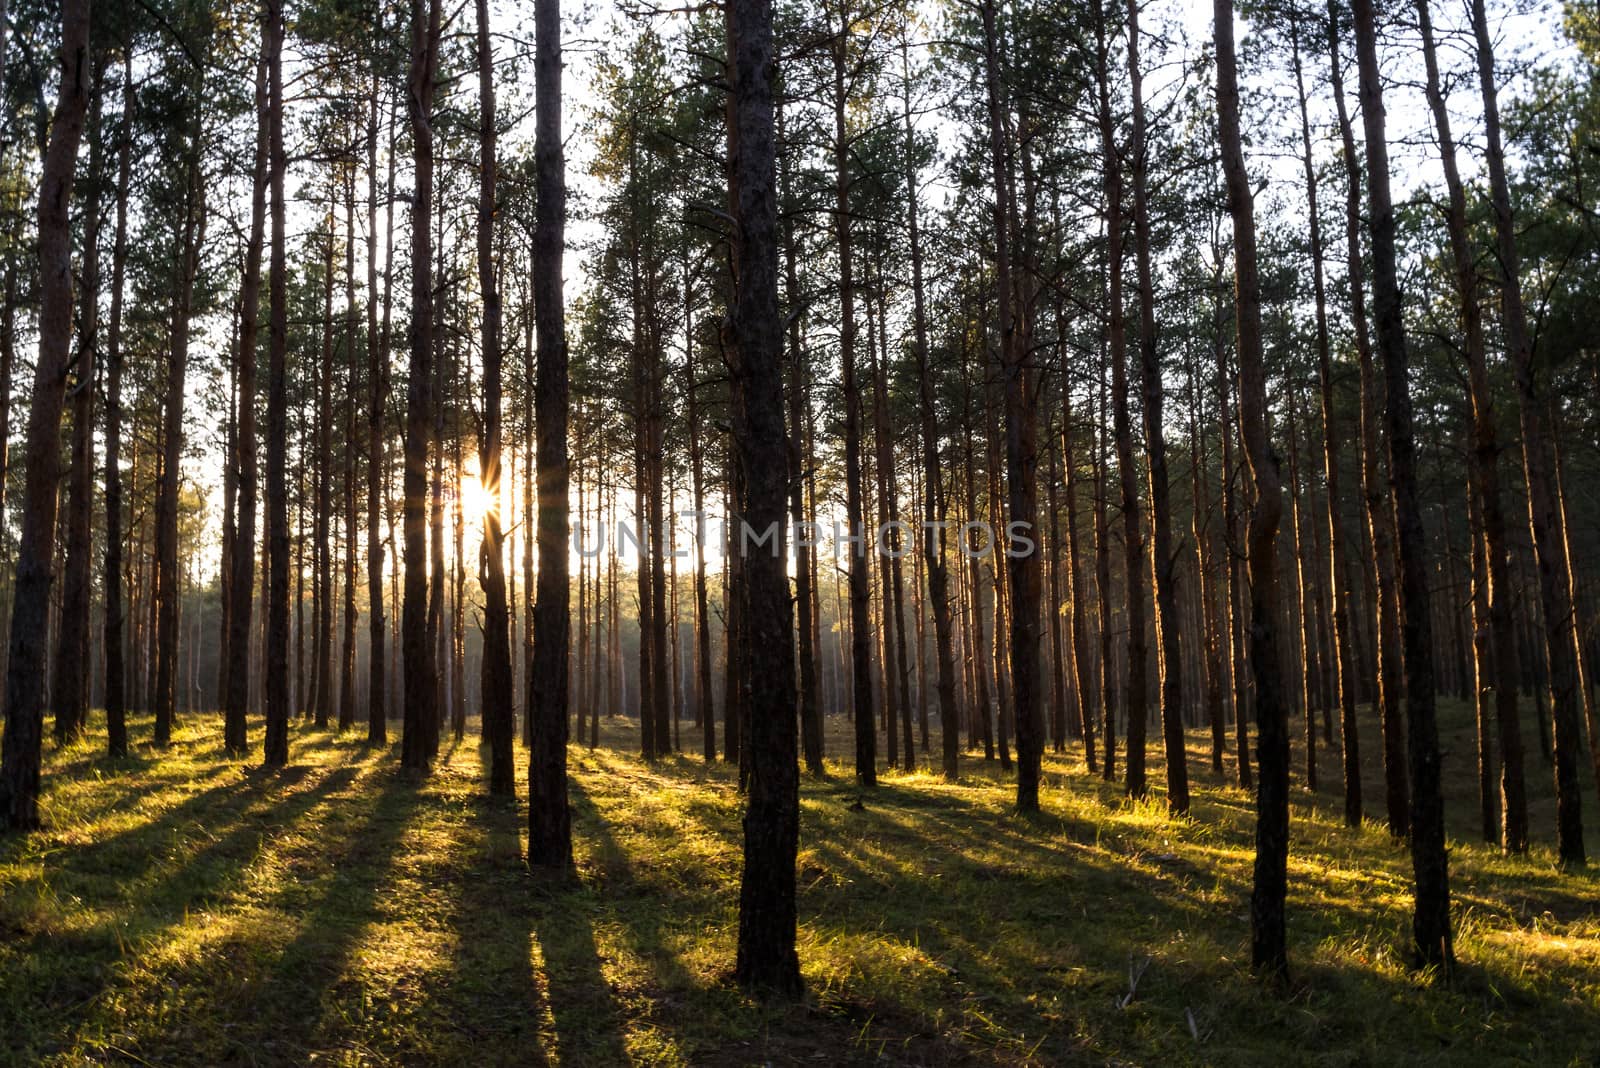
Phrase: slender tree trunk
{"type": "Point", "coordinates": [276, 667]}
{"type": "Point", "coordinates": [421, 685]}
{"type": "Point", "coordinates": [767, 962]}
{"type": "Point", "coordinates": [1544, 515]}
{"type": "Point", "coordinates": [70, 685]}
{"type": "Point", "coordinates": [705, 701]}
{"type": "Point", "coordinates": [377, 454]}
{"type": "Point", "coordinates": [805, 591]}
{"type": "Point", "coordinates": [1306, 652]}
{"type": "Point", "coordinates": [855, 511]}
{"type": "Point", "coordinates": [1102, 552]}
{"type": "Point", "coordinates": [191, 235]}
{"type": "Point", "coordinates": [1429, 859]}
{"type": "Point", "coordinates": [115, 684]}
{"type": "Point", "coordinates": [1122, 432]}
{"type": "Point", "coordinates": [1343, 665]}
{"type": "Point", "coordinates": [322, 496]}
{"type": "Point", "coordinates": [498, 717]}
{"type": "Point", "coordinates": [1269, 949]}
{"type": "Point", "coordinates": [1164, 564]}
{"type": "Point", "coordinates": [347, 650]}
{"type": "Point", "coordinates": [1581, 662]}
{"type": "Point", "coordinates": [1492, 624]}
{"type": "Point", "coordinates": [1379, 507]}
{"type": "Point", "coordinates": [549, 821]}
{"type": "Point", "coordinates": [25, 666]}
{"type": "Point", "coordinates": [1077, 586]}
{"type": "Point", "coordinates": [888, 549]}
{"type": "Point", "coordinates": [237, 700]}
{"type": "Point", "coordinates": [1058, 679]}
{"type": "Point", "coordinates": [934, 545]}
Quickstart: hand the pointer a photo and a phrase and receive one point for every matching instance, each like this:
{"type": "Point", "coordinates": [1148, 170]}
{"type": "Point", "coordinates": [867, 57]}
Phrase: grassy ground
{"type": "Point", "coordinates": [183, 909]}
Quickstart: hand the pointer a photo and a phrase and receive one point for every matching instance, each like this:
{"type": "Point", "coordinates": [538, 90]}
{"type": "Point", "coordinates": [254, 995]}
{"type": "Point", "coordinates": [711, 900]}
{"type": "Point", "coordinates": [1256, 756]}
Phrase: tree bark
{"type": "Point", "coordinates": [1343, 665]}
{"type": "Point", "coordinates": [1491, 610]}
{"type": "Point", "coordinates": [69, 690]}
{"type": "Point", "coordinates": [1429, 859]}
{"type": "Point", "coordinates": [1379, 507]}
{"type": "Point", "coordinates": [191, 236]}
{"type": "Point", "coordinates": [1122, 432]}
{"type": "Point", "coordinates": [1165, 561]}
{"type": "Point", "coordinates": [420, 693]}
{"type": "Point", "coordinates": [549, 820]}
{"type": "Point", "coordinates": [25, 666]}
{"type": "Point", "coordinates": [236, 703]}
{"type": "Point", "coordinates": [115, 682]}
{"type": "Point", "coordinates": [866, 737]}
{"type": "Point", "coordinates": [767, 961]}
{"type": "Point", "coordinates": [498, 724]}
{"type": "Point", "coordinates": [277, 659]}
{"type": "Point", "coordinates": [1544, 516]}
{"type": "Point", "coordinates": [377, 454]}
{"type": "Point", "coordinates": [1268, 942]}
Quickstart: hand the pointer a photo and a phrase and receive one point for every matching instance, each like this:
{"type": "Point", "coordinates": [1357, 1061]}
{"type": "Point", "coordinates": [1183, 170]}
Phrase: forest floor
{"type": "Point", "coordinates": [184, 909]}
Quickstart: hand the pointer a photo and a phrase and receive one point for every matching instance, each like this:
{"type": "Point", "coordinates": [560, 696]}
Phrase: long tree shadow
{"type": "Point", "coordinates": [308, 998]}
{"type": "Point", "coordinates": [145, 884]}
{"type": "Point", "coordinates": [587, 1019]}
{"type": "Point", "coordinates": [492, 1000]}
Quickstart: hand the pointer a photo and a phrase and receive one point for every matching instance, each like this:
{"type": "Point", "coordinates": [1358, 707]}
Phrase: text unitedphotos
{"type": "Point", "coordinates": [974, 539]}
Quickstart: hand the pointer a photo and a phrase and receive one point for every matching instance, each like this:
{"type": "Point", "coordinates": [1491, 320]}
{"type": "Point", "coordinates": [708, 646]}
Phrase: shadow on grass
{"type": "Point", "coordinates": [588, 1022]}
{"type": "Point", "coordinates": [155, 881]}
{"type": "Point", "coordinates": [301, 1007]}
{"type": "Point", "coordinates": [491, 997]}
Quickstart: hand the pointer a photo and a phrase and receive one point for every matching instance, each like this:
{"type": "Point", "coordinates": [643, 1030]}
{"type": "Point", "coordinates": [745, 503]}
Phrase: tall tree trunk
{"type": "Point", "coordinates": [549, 820]}
{"type": "Point", "coordinates": [1164, 564]}
{"type": "Point", "coordinates": [1343, 665]}
{"type": "Point", "coordinates": [887, 548]}
{"type": "Point", "coordinates": [1021, 451]}
{"type": "Point", "coordinates": [805, 591]}
{"type": "Point", "coordinates": [377, 454]}
{"type": "Point", "coordinates": [1581, 668]}
{"type": "Point", "coordinates": [767, 961]}
{"type": "Point", "coordinates": [498, 718]}
{"type": "Point", "coordinates": [855, 510]}
{"type": "Point", "coordinates": [1122, 432]}
{"type": "Point", "coordinates": [115, 684]}
{"type": "Point", "coordinates": [321, 464]}
{"type": "Point", "coordinates": [1077, 585]}
{"type": "Point", "coordinates": [1102, 546]}
{"type": "Point", "coordinates": [69, 689]}
{"type": "Point", "coordinates": [1491, 610]}
{"type": "Point", "coordinates": [237, 701]}
{"type": "Point", "coordinates": [25, 666]}
{"type": "Point", "coordinates": [421, 683]}
{"type": "Point", "coordinates": [1379, 507]}
{"type": "Point", "coordinates": [276, 667]}
{"type": "Point", "coordinates": [705, 701]}
{"type": "Point", "coordinates": [1429, 860]}
{"type": "Point", "coordinates": [1238, 640]}
{"type": "Point", "coordinates": [191, 235]}
{"type": "Point", "coordinates": [1058, 675]}
{"type": "Point", "coordinates": [347, 648]}
{"type": "Point", "coordinates": [1268, 942]}
{"type": "Point", "coordinates": [1544, 515]}
{"type": "Point", "coordinates": [1206, 571]}
{"type": "Point", "coordinates": [1307, 652]}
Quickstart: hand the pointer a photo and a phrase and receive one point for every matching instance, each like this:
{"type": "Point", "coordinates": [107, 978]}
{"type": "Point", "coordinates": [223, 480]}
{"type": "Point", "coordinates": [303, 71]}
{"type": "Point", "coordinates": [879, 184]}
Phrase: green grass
{"type": "Point", "coordinates": [182, 909]}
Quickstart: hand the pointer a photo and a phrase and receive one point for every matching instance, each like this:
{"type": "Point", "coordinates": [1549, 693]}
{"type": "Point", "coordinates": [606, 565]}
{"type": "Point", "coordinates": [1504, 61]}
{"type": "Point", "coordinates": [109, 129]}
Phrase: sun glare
{"type": "Point", "coordinates": [476, 502]}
